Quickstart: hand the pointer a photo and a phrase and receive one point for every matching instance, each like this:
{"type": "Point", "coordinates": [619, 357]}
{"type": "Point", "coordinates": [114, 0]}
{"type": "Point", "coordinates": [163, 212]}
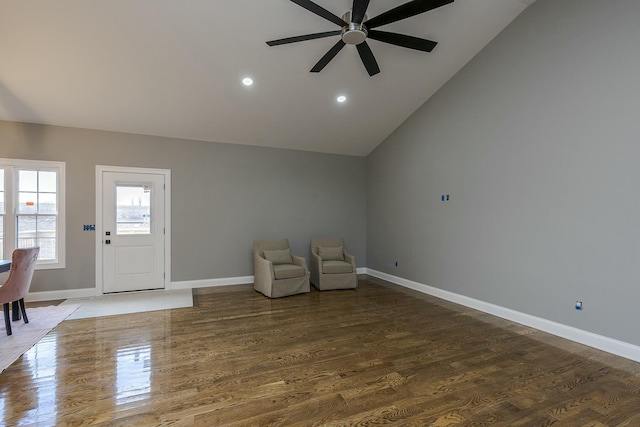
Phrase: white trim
{"type": "Point", "coordinates": [610, 345]}
{"type": "Point", "coordinates": [62, 294]}
{"type": "Point", "coordinates": [167, 219]}
{"type": "Point", "coordinates": [227, 281]}
{"type": "Point", "coordinates": [205, 283]}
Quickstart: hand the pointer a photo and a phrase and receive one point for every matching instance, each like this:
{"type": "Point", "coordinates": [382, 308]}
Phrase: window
{"type": "Point", "coordinates": [32, 209]}
{"type": "Point", "coordinates": [2, 214]}
{"type": "Point", "coordinates": [133, 209]}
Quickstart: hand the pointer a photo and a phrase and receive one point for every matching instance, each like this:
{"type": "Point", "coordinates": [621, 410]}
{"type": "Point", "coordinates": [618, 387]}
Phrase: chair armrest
{"type": "Point", "coordinates": [315, 259]}
{"type": "Point", "coordinates": [350, 259]}
{"type": "Point", "coordinates": [298, 260]}
{"type": "Point", "coordinates": [316, 264]}
{"type": "Point", "coordinates": [263, 268]}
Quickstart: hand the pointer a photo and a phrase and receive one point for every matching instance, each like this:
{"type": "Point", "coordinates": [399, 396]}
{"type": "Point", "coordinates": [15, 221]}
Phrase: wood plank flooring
{"type": "Point", "coordinates": [378, 355]}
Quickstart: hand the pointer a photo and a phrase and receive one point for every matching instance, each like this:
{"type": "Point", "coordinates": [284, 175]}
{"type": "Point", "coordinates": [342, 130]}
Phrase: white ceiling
{"type": "Point", "coordinates": [173, 68]}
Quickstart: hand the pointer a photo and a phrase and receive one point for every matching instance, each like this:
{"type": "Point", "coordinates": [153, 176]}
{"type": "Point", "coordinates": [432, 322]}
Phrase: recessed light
{"type": "Point", "coordinates": [341, 99]}
{"type": "Point", "coordinates": [247, 81]}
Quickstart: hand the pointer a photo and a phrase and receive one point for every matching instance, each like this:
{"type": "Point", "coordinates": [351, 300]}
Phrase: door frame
{"type": "Point", "coordinates": [100, 169]}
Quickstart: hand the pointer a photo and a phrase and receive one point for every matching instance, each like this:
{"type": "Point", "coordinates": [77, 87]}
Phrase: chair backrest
{"type": "Point", "coordinates": [332, 242]}
{"type": "Point", "coordinates": [23, 263]}
{"type": "Point", "coordinates": [269, 245]}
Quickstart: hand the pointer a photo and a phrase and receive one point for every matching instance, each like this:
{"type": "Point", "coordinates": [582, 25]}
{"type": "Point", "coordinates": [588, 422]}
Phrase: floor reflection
{"type": "Point", "coordinates": [94, 371]}
{"type": "Point", "coordinates": [133, 374]}
{"type": "Point", "coordinates": [37, 400]}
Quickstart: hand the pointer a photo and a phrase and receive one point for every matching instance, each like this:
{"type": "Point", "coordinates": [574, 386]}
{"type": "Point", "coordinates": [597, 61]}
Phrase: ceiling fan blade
{"type": "Point", "coordinates": [403, 40]}
{"type": "Point", "coordinates": [368, 59]}
{"type": "Point", "coordinates": [303, 38]}
{"type": "Point", "coordinates": [328, 56]}
{"type": "Point", "coordinates": [406, 10]}
{"type": "Point", "coordinates": [358, 10]}
{"type": "Point", "coordinates": [324, 13]}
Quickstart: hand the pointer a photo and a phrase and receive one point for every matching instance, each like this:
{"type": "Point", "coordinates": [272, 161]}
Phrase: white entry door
{"type": "Point", "coordinates": [133, 228]}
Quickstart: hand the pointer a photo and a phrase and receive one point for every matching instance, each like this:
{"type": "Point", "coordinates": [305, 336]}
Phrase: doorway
{"type": "Point", "coordinates": [132, 229]}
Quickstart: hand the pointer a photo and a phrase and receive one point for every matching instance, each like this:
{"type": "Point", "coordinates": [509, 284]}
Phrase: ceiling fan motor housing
{"type": "Point", "coordinates": [353, 33]}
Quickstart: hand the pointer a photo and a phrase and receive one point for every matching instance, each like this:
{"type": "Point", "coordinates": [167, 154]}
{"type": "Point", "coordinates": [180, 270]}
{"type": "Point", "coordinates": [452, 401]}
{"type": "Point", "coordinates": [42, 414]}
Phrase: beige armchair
{"type": "Point", "coordinates": [278, 273]}
{"type": "Point", "coordinates": [331, 266]}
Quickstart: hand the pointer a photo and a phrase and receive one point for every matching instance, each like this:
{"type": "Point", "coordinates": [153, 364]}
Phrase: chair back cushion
{"type": "Point", "coordinates": [331, 253]}
{"type": "Point", "coordinates": [330, 242]}
{"type": "Point", "coordinates": [279, 256]}
{"type": "Point", "coordinates": [259, 246]}
{"type": "Point", "coordinates": [23, 263]}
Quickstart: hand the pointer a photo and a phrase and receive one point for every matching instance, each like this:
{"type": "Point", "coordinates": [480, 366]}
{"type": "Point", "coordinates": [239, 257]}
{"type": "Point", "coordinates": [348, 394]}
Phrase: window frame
{"type": "Point", "coordinates": [11, 169]}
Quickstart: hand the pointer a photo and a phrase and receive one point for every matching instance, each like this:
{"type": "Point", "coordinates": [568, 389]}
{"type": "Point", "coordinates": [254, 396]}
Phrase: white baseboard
{"type": "Point", "coordinates": [186, 284]}
{"type": "Point", "coordinates": [62, 294]}
{"type": "Point", "coordinates": [205, 283]}
{"type": "Point", "coordinates": [610, 345]}
{"type": "Point", "coordinates": [242, 280]}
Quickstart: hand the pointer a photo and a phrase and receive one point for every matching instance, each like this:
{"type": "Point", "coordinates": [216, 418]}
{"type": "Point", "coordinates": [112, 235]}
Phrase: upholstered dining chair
{"type": "Point", "coordinates": [331, 266]}
{"type": "Point", "coordinates": [278, 273]}
{"type": "Point", "coordinates": [23, 263]}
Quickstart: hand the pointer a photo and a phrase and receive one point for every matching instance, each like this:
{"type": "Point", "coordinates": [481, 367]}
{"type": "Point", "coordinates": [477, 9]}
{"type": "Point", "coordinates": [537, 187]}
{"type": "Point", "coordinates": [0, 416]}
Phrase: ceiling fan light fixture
{"type": "Point", "coordinates": [353, 33]}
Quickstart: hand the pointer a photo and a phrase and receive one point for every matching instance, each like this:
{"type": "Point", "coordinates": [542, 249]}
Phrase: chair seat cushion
{"type": "Point", "coordinates": [288, 271]}
{"type": "Point", "coordinates": [336, 267]}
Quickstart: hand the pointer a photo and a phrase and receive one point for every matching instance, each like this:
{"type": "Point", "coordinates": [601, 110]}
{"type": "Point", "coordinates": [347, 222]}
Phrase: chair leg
{"type": "Point", "coordinates": [23, 310]}
{"type": "Point", "coordinates": [7, 321]}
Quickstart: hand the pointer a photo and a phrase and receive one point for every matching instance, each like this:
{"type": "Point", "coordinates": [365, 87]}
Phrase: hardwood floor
{"type": "Point", "coordinates": [380, 354]}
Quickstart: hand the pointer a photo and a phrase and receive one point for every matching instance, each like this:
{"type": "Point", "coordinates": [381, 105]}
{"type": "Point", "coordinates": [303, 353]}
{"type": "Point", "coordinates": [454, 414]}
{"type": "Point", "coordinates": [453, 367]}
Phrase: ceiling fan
{"type": "Point", "coordinates": [356, 28]}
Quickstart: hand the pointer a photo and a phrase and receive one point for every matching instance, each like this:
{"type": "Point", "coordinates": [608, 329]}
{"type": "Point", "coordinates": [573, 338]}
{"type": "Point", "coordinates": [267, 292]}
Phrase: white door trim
{"type": "Point", "coordinates": [100, 232]}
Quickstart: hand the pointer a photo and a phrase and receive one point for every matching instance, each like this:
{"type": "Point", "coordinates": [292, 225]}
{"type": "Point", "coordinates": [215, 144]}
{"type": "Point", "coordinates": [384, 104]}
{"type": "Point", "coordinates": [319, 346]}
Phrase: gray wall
{"type": "Point", "coordinates": [223, 197]}
{"type": "Point", "coordinates": [537, 140]}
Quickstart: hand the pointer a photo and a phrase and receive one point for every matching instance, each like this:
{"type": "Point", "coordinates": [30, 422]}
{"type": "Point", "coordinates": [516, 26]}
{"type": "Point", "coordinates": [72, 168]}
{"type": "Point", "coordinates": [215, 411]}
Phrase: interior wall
{"type": "Point", "coordinates": [223, 197]}
{"type": "Point", "coordinates": [537, 142]}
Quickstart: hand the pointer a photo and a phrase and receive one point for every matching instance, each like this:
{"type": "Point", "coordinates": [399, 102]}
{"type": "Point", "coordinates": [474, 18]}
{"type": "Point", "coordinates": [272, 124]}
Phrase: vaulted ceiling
{"type": "Point", "coordinates": [174, 68]}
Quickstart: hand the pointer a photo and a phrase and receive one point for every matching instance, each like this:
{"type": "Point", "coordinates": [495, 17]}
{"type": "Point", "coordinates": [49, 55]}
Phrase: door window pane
{"type": "Point", "coordinates": [133, 209]}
